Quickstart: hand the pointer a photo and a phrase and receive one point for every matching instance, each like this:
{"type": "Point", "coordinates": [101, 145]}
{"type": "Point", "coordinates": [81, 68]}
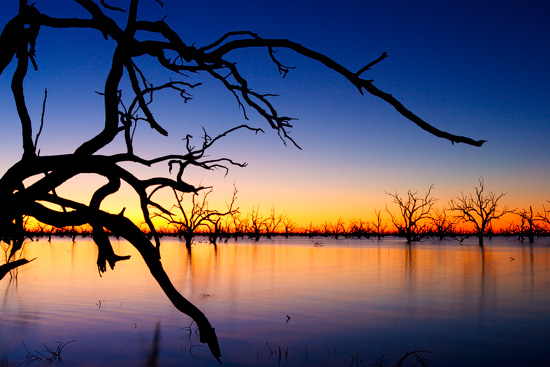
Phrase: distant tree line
{"type": "Point", "coordinates": [412, 216]}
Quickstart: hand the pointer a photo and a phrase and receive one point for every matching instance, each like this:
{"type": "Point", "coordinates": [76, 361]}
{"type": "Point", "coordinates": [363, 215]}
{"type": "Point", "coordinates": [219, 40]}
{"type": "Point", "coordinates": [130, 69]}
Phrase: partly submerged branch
{"type": "Point", "coordinates": [123, 227]}
{"type": "Point", "coordinates": [6, 268]}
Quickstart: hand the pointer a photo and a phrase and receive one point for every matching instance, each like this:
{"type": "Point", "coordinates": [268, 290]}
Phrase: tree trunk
{"type": "Point", "coordinates": [408, 235]}
{"type": "Point", "coordinates": [188, 240]}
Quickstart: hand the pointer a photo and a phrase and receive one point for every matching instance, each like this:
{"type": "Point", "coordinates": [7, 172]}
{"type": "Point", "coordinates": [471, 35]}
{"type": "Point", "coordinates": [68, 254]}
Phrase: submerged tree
{"type": "Point", "coordinates": [543, 218]}
{"type": "Point", "coordinates": [479, 209]}
{"type": "Point", "coordinates": [189, 220]}
{"type": "Point", "coordinates": [528, 226]}
{"type": "Point", "coordinates": [272, 222]}
{"type": "Point", "coordinates": [288, 224]}
{"type": "Point", "coordinates": [378, 225]}
{"type": "Point", "coordinates": [359, 228]}
{"type": "Point", "coordinates": [413, 209]}
{"type": "Point", "coordinates": [257, 223]}
{"type": "Point", "coordinates": [443, 225]}
{"type": "Point", "coordinates": [30, 186]}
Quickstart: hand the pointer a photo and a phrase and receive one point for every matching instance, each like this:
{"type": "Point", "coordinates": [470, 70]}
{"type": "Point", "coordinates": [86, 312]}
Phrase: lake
{"type": "Point", "coordinates": [284, 302]}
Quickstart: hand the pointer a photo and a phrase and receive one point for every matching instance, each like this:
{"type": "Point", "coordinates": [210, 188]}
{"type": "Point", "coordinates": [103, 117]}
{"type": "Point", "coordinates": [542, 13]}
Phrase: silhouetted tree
{"type": "Point", "coordinates": [215, 229]}
{"type": "Point", "coordinates": [257, 223]}
{"type": "Point", "coordinates": [288, 224]}
{"type": "Point", "coordinates": [128, 101]}
{"type": "Point", "coordinates": [528, 226]}
{"type": "Point", "coordinates": [479, 209]}
{"type": "Point", "coordinates": [272, 222]}
{"type": "Point", "coordinates": [239, 224]}
{"type": "Point", "coordinates": [544, 219]}
{"type": "Point", "coordinates": [188, 221]}
{"type": "Point", "coordinates": [412, 210]}
{"type": "Point", "coordinates": [378, 225]}
{"type": "Point", "coordinates": [326, 229]}
{"type": "Point", "coordinates": [312, 230]}
{"type": "Point", "coordinates": [443, 225]}
{"type": "Point", "coordinates": [337, 228]}
{"type": "Point", "coordinates": [359, 228]}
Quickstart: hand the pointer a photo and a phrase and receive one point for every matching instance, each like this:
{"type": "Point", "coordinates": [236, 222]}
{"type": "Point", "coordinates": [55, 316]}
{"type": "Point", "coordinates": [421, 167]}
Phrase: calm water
{"type": "Point", "coordinates": [357, 297]}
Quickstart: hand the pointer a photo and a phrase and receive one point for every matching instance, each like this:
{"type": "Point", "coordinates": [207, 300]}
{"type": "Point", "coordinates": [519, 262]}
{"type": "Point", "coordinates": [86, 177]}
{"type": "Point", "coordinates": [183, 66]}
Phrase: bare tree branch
{"type": "Point", "coordinates": [41, 120]}
{"type": "Point", "coordinates": [114, 8]}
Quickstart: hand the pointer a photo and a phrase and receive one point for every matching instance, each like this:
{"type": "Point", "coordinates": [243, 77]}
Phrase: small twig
{"type": "Point", "coordinates": [371, 64]}
{"type": "Point", "coordinates": [41, 119]}
{"type": "Point", "coordinates": [107, 6]}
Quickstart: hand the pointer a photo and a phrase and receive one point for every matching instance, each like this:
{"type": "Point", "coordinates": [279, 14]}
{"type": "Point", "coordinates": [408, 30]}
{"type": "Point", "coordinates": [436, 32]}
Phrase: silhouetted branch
{"type": "Point", "coordinates": [131, 69]}
{"type": "Point", "coordinates": [41, 120]}
{"type": "Point", "coordinates": [354, 78]}
{"type": "Point", "coordinates": [371, 64]}
{"type": "Point", "coordinates": [107, 6]}
{"type": "Point", "coordinates": [6, 268]}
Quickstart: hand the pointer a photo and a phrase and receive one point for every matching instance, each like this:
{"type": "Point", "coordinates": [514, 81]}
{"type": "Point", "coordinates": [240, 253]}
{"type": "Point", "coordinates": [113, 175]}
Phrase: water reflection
{"type": "Point", "coordinates": [152, 359]}
{"type": "Point", "coordinates": [484, 306]}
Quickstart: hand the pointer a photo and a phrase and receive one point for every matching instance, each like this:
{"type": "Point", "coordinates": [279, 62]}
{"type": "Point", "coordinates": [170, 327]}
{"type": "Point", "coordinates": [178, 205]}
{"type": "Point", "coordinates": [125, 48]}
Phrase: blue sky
{"type": "Point", "coordinates": [468, 67]}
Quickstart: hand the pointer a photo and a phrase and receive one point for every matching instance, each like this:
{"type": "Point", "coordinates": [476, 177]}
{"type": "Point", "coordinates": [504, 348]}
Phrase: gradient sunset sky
{"type": "Point", "coordinates": [473, 68]}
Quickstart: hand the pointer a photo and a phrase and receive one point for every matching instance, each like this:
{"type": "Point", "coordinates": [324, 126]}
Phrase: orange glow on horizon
{"type": "Point", "coordinates": [498, 226]}
{"type": "Point", "coordinates": [315, 206]}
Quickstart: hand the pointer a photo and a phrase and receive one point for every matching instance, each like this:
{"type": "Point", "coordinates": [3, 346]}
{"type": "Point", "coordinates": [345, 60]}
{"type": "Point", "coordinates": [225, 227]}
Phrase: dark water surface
{"type": "Point", "coordinates": [344, 298]}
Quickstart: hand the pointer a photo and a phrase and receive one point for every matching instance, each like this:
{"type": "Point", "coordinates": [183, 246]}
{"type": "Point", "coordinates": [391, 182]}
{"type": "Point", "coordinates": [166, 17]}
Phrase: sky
{"type": "Point", "coordinates": [473, 68]}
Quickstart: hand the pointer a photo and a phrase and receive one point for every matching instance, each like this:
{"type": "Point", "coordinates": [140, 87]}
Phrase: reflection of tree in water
{"type": "Point", "coordinates": [411, 279]}
{"type": "Point", "coordinates": [123, 112]}
{"type": "Point", "coordinates": [486, 275]}
{"type": "Point", "coordinates": [494, 280]}
{"type": "Point", "coordinates": [153, 356]}
{"type": "Point", "coordinates": [16, 317]}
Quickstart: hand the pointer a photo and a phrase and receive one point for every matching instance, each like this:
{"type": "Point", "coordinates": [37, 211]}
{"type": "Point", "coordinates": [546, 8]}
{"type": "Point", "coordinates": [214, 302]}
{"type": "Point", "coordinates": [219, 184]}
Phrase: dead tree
{"type": "Point", "coordinates": [188, 221]}
{"type": "Point", "coordinates": [337, 228]}
{"type": "Point", "coordinates": [479, 209]}
{"type": "Point", "coordinates": [528, 226]}
{"type": "Point", "coordinates": [288, 224]}
{"type": "Point", "coordinates": [272, 223]}
{"type": "Point", "coordinates": [240, 225]}
{"type": "Point", "coordinates": [312, 231]}
{"type": "Point", "coordinates": [127, 97]}
{"type": "Point", "coordinates": [360, 228]}
{"type": "Point", "coordinates": [378, 226]}
{"type": "Point", "coordinates": [544, 219]}
{"type": "Point", "coordinates": [443, 225]}
{"type": "Point", "coordinates": [413, 209]}
{"type": "Point", "coordinates": [257, 223]}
